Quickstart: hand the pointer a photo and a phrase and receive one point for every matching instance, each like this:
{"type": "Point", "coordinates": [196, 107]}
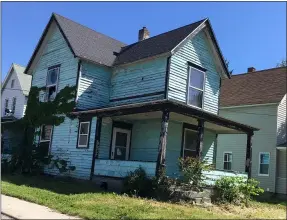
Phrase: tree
{"type": "Point", "coordinates": [282, 63]}
{"type": "Point", "coordinates": [227, 65]}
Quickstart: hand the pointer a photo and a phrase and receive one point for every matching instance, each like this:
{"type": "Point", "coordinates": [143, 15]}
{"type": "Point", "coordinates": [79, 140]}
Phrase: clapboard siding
{"type": "Point", "coordinates": [281, 122]}
{"type": "Point", "coordinates": [105, 141]}
{"type": "Point", "coordinates": [138, 79]}
{"type": "Point", "coordinates": [196, 51]}
{"type": "Point", "coordinates": [145, 140]}
{"type": "Point", "coordinates": [64, 145]}
{"type": "Point", "coordinates": [94, 86]}
{"type": "Point", "coordinates": [281, 184]}
{"type": "Point", "coordinates": [262, 117]}
{"type": "Point", "coordinates": [56, 52]}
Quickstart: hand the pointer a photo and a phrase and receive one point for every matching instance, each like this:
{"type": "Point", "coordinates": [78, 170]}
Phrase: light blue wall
{"type": "Point", "coordinates": [138, 79]}
{"type": "Point", "coordinates": [94, 86]}
{"type": "Point", "coordinates": [105, 140]}
{"type": "Point", "coordinates": [198, 52]}
{"type": "Point", "coordinates": [64, 145]}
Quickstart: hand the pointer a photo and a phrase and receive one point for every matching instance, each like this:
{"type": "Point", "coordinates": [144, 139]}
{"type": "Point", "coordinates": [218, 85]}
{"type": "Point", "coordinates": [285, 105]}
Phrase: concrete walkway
{"type": "Point", "coordinates": [19, 209]}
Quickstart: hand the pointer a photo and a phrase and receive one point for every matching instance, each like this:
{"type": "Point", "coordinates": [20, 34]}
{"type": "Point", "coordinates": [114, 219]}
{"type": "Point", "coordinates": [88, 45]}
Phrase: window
{"type": "Point", "coordinates": [13, 104]}
{"type": "Point", "coordinates": [52, 82]}
{"type": "Point", "coordinates": [12, 83]}
{"type": "Point", "coordinates": [195, 87]}
{"type": "Point", "coordinates": [227, 160]}
{"type": "Point", "coordinates": [190, 143]}
{"type": "Point", "coordinates": [46, 132]}
{"type": "Point", "coordinates": [264, 160]}
{"type": "Point", "coordinates": [83, 138]}
{"type": "Point", "coordinates": [120, 144]}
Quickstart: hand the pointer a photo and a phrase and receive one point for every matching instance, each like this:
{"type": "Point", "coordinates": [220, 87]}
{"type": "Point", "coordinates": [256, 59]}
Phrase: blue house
{"type": "Point", "coordinates": [144, 104]}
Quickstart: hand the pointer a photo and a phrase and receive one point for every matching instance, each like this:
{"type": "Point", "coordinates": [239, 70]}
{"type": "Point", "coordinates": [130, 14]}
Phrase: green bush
{"type": "Point", "coordinates": [137, 183]}
{"type": "Point", "coordinates": [236, 189]}
{"type": "Point", "coordinates": [192, 170]}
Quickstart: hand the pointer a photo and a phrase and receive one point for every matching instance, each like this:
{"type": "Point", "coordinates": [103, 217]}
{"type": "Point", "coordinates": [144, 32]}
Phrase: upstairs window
{"type": "Point", "coordinates": [6, 103]}
{"type": "Point", "coordinates": [195, 87]}
{"type": "Point", "coordinates": [13, 108]}
{"type": "Point", "coordinates": [52, 83]}
{"type": "Point", "coordinates": [264, 160]}
{"type": "Point", "coordinates": [12, 83]}
{"type": "Point", "coordinates": [227, 160]}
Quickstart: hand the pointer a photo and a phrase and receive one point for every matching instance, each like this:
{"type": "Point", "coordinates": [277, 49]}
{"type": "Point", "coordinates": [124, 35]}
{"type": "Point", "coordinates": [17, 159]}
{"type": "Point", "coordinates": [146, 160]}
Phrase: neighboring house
{"type": "Point", "coordinates": [14, 95]}
{"type": "Point", "coordinates": [144, 104]}
{"type": "Point", "coordinates": [14, 92]}
{"type": "Point", "coordinates": [257, 98]}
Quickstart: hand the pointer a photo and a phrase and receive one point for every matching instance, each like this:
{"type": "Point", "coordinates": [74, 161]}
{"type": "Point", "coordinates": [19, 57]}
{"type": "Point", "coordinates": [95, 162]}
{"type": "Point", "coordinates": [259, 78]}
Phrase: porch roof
{"type": "Point", "coordinates": [172, 106]}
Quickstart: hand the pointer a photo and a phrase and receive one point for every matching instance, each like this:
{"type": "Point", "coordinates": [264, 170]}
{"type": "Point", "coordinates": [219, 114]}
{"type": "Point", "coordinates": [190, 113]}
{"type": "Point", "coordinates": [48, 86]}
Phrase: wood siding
{"type": "Point", "coordinates": [94, 86]}
{"type": "Point", "coordinates": [281, 179]}
{"type": "Point", "coordinates": [264, 140]}
{"type": "Point", "coordinates": [139, 79]}
{"type": "Point", "coordinates": [281, 122]}
{"type": "Point", "coordinates": [9, 93]}
{"type": "Point", "coordinates": [64, 146]}
{"type": "Point", "coordinates": [196, 51]}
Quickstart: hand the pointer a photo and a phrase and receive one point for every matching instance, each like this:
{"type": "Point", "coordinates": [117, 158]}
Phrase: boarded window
{"type": "Point", "coordinates": [13, 108]}
{"type": "Point", "coordinates": [12, 83]}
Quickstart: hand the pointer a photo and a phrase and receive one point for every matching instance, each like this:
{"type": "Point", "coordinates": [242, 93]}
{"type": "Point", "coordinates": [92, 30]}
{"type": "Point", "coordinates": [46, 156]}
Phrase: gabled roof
{"type": "Point", "coordinates": [24, 79]}
{"type": "Point", "coordinates": [88, 44]}
{"type": "Point", "coordinates": [156, 45]}
{"type": "Point", "coordinates": [260, 87]}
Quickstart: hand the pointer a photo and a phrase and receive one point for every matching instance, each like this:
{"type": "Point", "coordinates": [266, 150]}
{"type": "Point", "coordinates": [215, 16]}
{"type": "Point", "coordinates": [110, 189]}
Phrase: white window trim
{"type": "Point", "coordinates": [128, 132]}
{"type": "Point", "coordinates": [41, 129]}
{"type": "Point", "coordinates": [188, 86]}
{"type": "Point", "coordinates": [86, 145]}
{"type": "Point", "coordinates": [227, 152]}
{"type": "Point", "coordinates": [184, 149]}
{"type": "Point", "coordinates": [52, 85]}
{"type": "Point", "coordinates": [260, 174]}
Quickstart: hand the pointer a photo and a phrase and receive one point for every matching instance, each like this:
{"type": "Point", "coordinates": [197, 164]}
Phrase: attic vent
{"type": "Point", "coordinates": [143, 34]}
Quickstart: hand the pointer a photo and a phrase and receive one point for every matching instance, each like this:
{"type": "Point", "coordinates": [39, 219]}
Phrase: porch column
{"type": "Point", "coordinates": [248, 161]}
{"type": "Point", "coordinates": [162, 142]}
{"type": "Point", "coordinates": [199, 145]}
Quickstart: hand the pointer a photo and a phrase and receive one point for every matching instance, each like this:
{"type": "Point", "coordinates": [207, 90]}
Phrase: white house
{"type": "Point", "coordinates": [14, 92]}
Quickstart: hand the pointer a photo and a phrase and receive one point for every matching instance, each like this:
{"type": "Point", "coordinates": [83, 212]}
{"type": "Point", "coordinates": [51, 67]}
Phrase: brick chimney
{"type": "Point", "coordinates": [251, 69]}
{"type": "Point", "coordinates": [143, 34]}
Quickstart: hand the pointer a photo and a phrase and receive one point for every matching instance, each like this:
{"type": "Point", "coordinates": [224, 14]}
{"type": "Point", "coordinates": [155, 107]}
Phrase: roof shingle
{"type": "Point", "coordinates": [260, 87]}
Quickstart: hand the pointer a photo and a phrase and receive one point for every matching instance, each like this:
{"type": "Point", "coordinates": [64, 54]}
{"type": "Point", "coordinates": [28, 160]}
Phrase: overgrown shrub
{"type": "Point", "coordinates": [137, 183]}
{"type": "Point", "coordinates": [192, 170]}
{"type": "Point", "coordinates": [236, 189]}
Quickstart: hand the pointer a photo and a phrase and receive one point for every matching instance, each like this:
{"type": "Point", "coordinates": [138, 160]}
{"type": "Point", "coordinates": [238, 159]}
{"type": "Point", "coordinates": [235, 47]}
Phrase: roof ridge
{"type": "Point", "coordinates": [55, 14]}
{"type": "Point", "coordinates": [259, 71]}
{"type": "Point", "coordinates": [166, 32]}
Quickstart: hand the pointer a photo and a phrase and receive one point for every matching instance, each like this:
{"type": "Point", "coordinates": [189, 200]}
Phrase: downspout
{"type": "Point", "coordinates": [167, 78]}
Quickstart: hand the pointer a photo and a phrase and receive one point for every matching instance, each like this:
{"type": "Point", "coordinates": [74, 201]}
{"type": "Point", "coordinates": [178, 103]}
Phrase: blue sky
{"type": "Point", "coordinates": [249, 33]}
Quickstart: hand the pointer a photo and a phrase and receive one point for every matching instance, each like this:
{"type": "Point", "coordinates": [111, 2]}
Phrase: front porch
{"type": "Point", "coordinates": [156, 134]}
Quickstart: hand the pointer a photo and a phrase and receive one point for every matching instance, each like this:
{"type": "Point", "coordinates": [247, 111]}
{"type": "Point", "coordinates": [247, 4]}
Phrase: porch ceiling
{"type": "Point", "coordinates": [179, 112]}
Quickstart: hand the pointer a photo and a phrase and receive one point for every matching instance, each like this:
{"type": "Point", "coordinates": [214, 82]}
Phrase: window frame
{"type": "Point", "coordinates": [227, 152]}
{"type": "Point", "coordinates": [259, 162]}
{"type": "Point", "coordinates": [200, 69]}
{"type": "Point", "coordinates": [50, 138]}
{"type": "Point", "coordinates": [52, 85]}
{"type": "Point", "coordinates": [88, 135]}
{"type": "Point", "coordinates": [6, 104]}
{"type": "Point", "coordinates": [12, 83]}
{"type": "Point", "coordinates": [13, 104]}
{"type": "Point", "coordinates": [191, 128]}
{"type": "Point", "coordinates": [128, 145]}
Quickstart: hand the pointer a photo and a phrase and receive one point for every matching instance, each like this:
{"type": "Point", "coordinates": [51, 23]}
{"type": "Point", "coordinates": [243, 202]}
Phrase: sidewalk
{"type": "Point", "coordinates": [20, 209]}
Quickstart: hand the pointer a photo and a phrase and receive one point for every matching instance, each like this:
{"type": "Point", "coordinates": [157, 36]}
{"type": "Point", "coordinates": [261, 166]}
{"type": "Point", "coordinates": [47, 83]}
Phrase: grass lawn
{"type": "Point", "coordinates": [84, 200]}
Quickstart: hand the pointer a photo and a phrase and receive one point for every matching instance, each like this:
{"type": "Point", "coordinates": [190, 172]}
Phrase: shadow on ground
{"type": "Point", "coordinates": [55, 184]}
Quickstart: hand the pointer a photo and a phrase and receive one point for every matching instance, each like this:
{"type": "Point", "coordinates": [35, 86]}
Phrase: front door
{"type": "Point", "coordinates": [120, 144]}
